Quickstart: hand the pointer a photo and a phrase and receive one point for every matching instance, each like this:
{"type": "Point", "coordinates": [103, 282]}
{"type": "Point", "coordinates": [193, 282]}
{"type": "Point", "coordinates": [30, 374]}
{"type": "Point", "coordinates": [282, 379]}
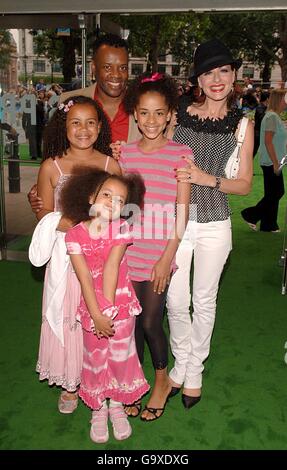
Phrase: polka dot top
{"type": "Point", "coordinates": [212, 143]}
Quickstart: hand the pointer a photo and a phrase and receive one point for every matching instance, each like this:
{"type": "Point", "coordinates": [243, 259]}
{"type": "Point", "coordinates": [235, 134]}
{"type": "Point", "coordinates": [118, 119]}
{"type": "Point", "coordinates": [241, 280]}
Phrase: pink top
{"type": "Point", "coordinates": [62, 180]}
{"type": "Point", "coordinates": [58, 188]}
{"type": "Point", "coordinates": [96, 252]}
{"type": "Point", "coordinates": [158, 171]}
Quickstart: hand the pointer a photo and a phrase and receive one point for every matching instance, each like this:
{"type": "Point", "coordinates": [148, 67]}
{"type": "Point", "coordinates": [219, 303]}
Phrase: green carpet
{"type": "Point", "coordinates": [24, 155]}
{"type": "Point", "coordinates": [245, 378]}
{"type": "Point", "coordinates": [19, 243]}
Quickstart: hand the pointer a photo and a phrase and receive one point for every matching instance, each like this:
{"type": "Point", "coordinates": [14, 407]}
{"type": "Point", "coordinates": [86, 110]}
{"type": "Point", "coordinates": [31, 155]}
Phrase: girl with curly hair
{"type": "Point", "coordinates": [108, 307]}
{"type": "Point", "coordinates": [77, 134]}
{"type": "Point", "coordinates": [152, 99]}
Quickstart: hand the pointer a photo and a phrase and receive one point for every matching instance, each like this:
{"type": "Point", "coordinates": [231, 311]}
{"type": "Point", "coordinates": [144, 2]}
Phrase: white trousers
{"type": "Point", "coordinates": [210, 244]}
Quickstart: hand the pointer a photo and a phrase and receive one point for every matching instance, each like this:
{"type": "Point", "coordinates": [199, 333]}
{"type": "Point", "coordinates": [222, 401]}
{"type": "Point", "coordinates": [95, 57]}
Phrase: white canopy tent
{"type": "Point", "coordinates": [53, 13]}
{"type": "Point", "coordinates": [136, 6]}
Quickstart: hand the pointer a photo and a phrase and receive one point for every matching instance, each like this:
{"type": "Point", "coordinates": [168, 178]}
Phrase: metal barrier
{"type": "Point", "coordinates": [13, 199]}
{"type": "Point", "coordinates": [14, 166]}
{"type": "Point", "coordinates": [283, 258]}
{"type": "Point", "coordinates": [2, 204]}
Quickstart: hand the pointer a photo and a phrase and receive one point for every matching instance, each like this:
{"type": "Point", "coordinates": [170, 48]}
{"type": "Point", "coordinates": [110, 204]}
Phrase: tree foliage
{"type": "Point", "coordinates": [258, 37]}
{"type": "Point", "coordinates": [55, 48]}
{"type": "Point", "coordinates": [6, 49]}
{"type": "Point", "coordinates": [153, 36]}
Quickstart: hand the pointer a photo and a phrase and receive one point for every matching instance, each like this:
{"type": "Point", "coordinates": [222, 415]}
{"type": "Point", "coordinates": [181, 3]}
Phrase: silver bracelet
{"type": "Point", "coordinates": [218, 182]}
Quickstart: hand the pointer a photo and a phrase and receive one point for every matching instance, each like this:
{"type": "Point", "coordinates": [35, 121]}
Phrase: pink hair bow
{"type": "Point", "coordinates": [66, 107]}
{"type": "Point", "coordinates": [155, 76]}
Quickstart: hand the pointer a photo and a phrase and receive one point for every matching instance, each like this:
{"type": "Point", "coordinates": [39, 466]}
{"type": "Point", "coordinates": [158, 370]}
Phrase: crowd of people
{"type": "Point", "coordinates": [162, 154]}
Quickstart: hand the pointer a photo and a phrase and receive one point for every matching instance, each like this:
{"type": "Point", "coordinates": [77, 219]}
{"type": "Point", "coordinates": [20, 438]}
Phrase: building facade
{"type": "Point", "coordinates": [30, 66]}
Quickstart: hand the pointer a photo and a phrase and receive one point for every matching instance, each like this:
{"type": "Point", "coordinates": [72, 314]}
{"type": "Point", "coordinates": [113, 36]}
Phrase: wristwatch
{"type": "Point", "coordinates": [218, 182]}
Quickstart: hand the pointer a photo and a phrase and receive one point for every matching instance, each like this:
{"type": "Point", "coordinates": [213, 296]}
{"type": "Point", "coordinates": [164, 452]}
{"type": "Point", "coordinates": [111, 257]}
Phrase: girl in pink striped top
{"type": "Point", "coordinates": [151, 257]}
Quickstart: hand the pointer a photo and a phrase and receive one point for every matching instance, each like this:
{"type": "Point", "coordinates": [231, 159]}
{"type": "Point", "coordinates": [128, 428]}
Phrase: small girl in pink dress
{"type": "Point", "coordinates": [108, 306]}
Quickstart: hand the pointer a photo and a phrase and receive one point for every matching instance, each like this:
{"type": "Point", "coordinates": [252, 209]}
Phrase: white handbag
{"type": "Point", "coordinates": [232, 166]}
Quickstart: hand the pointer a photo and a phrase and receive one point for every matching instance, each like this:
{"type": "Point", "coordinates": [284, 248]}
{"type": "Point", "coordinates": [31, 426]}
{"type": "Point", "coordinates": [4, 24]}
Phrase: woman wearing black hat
{"type": "Point", "coordinates": [210, 129]}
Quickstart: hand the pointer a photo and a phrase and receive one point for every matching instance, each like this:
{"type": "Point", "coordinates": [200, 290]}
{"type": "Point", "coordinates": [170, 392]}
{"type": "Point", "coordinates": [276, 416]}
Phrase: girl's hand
{"type": "Point", "coordinates": [160, 276]}
{"type": "Point", "coordinates": [171, 125]}
{"type": "Point", "coordinates": [192, 174]}
{"type": "Point", "coordinates": [116, 149]}
{"type": "Point", "coordinates": [35, 201]}
{"type": "Point", "coordinates": [103, 326]}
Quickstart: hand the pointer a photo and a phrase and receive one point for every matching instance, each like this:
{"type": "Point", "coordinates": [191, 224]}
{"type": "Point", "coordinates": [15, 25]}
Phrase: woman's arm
{"type": "Point", "coordinates": [111, 271]}
{"type": "Point", "coordinates": [268, 140]}
{"type": "Point", "coordinates": [160, 275]}
{"type": "Point", "coordinates": [103, 324]}
{"type": "Point", "coordinates": [243, 183]}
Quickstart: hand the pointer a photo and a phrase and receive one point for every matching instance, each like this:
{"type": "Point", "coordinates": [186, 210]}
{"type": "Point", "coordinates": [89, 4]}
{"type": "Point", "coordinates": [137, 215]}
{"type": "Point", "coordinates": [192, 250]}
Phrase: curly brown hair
{"type": "Point", "coordinates": [55, 142]}
{"type": "Point", "coordinates": [165, 86]}
{"type": "Point", "coordinates": [84, 182]}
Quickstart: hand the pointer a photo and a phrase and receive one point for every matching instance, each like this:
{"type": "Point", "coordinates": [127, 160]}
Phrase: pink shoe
{"type": "Point", "coordinates": [99, 430]}
{"type": "Point", "coordinates": [67, 406]}
{"type": "Point", "coordinates": [121, 426]}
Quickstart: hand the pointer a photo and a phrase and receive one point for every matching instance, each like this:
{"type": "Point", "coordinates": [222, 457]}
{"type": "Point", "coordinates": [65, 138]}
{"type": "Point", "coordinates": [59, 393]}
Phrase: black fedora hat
{"type": "Point", "coordinates": [212, 54]}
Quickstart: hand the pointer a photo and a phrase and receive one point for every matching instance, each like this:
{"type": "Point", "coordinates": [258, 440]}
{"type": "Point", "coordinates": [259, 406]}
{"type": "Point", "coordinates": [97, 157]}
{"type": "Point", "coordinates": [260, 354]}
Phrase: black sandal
{"type": "Point", "coordinates": [137, 405]}
{"type": "Point", "coordinates": [153, 411]}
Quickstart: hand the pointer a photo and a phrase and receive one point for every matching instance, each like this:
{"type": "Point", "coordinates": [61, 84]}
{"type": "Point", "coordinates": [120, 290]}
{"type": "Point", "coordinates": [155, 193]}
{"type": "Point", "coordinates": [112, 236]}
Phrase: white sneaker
{"type": "Point", "coordinates": [99, 430]}
{"type": "Point", "coordinates": [121, 426]}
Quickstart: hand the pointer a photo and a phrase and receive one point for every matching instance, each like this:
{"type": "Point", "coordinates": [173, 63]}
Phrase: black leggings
{"type": "Point", "coordinates": [149, 324]}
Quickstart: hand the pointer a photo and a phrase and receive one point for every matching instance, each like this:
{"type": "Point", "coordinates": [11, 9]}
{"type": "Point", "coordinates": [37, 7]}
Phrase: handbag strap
{"type": "Point", "coordinates": [242, 130]}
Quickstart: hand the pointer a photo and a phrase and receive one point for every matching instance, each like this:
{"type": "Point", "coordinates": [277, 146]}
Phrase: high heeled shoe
{"type": "Point", "coordinates": [174, 391]}
{"type": "Point", "coordinates": [189, 402]}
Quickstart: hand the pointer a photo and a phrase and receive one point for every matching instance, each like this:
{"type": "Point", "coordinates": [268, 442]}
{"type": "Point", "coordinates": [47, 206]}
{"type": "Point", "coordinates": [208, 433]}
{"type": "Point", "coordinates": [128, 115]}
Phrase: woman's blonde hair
{"type": "Point", "coordinates": [275, 100]}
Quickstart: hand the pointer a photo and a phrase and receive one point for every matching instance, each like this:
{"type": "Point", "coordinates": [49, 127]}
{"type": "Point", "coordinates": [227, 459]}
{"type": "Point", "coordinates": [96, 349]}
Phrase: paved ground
{"type": "Point", "coordinates": [19, 218]}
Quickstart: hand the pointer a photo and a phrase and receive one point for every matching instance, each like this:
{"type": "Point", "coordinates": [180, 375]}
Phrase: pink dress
{"type": "Point", "coordinates": [62, 365]}
{"type": "Point", "coordinates": [111, 368]}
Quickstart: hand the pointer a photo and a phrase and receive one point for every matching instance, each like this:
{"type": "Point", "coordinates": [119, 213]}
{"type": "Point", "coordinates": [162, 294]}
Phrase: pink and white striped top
{"type": "Point", "coordinates": [158, 171]}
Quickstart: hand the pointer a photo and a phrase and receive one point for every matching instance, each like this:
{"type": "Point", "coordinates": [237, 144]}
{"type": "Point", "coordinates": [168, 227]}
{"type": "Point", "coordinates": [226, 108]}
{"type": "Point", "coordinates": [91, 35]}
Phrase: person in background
{"type": "Point", "coordinates": [259, 114]}
{"type": "Point", "coordinates": [31, 129]}
{"type": "Point", "coordinates": [273, 141]}
{"type": "Point", "coordinates": [40, 86]}
{"type": "Point", "coordinates": [249, 101]}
